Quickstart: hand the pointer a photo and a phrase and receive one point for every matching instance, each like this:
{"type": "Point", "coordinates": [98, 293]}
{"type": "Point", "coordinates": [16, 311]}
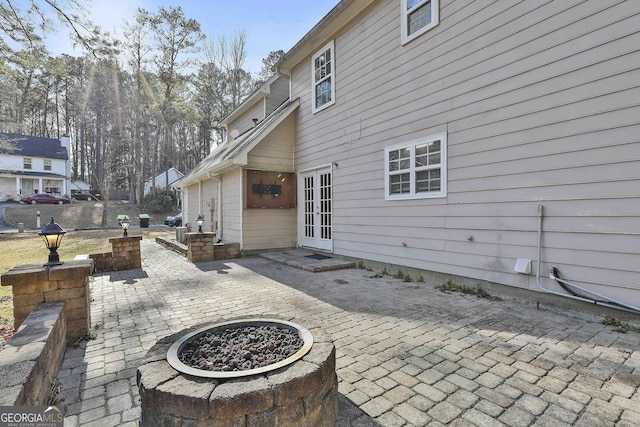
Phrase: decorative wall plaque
{"type": "Point", "coordinates": [271, 190]}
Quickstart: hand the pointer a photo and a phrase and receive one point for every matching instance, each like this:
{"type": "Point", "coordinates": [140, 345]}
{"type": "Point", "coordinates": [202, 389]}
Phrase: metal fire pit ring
{"type": "Point", "coordinates": [176, 348]}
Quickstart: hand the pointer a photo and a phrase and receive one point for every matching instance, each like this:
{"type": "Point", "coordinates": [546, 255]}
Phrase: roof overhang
{"type": "Point", "coordinates": [257, 95]}
{"type": "Point", "coordinates": [235, 153]}
{"type": "Point", "coordinates": [47, 175]}
{"type": "Point", "coordinates": [338, 17]}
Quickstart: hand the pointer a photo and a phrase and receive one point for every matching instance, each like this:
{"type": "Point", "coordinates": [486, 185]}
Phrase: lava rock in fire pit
{"type": "Point", "coordinates": [241, 348]}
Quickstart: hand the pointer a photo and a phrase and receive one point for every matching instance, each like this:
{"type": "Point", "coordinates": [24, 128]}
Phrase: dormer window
{"type": "Point", "coordinates": [418, 16]}
{"type": "Point", "coordinates": [323, 77]}
{"type": "Point", "coordinates": [26, 163]}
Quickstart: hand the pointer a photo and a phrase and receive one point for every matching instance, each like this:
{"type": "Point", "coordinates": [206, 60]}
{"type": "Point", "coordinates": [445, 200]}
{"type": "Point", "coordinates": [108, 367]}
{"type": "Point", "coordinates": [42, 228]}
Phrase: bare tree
{"type": "Point", "coordinates": [139, 56]}
{"type": "Point", "coordinates": [269, 66]}
{"type": "Point", "coordinates": [175, 37]}
{"type": "Point", "coordinates": [230, 56]}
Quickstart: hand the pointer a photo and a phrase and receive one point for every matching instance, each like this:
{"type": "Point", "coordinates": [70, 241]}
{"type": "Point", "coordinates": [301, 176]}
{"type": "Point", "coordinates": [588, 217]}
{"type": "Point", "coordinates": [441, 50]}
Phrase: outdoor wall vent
{"type": "Point", "coordinates": [523, 266]}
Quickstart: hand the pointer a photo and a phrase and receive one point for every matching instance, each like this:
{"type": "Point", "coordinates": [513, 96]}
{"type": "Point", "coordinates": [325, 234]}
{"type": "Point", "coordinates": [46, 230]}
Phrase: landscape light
{"type": "Point", "coordinates": [200, 222]}
{"type": "Point", "coordinates": [52, 234]}
{"type": "Point", "coordinates": [124, 223]}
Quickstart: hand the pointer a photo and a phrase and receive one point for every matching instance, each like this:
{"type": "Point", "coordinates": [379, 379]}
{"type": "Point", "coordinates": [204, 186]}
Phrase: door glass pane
{"type": "Point", "coordinates": [325, 206]}
{"type": "Point", "coordinates": [308, 207]}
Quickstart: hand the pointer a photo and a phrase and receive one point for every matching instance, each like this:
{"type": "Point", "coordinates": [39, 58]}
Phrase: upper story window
{"type": "Point", "coordinates": [417, 169]}
{"type": "Point", "coordinates": [26, 163]}
{"type": "Point", "coordinates": [323, 77]}
{"type": "Point", "coordinates": [47, 164]}
{"type": "Point", "coordinates": [418, 16]}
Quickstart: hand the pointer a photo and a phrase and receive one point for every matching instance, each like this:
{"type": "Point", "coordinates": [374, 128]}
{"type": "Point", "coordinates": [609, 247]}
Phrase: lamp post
{"type": "Point", "coordinates": [200, 222]}
{"type": "Point", "coordinates": [124, 223]}
{"type": "Point", "coordinates": [52, 234]}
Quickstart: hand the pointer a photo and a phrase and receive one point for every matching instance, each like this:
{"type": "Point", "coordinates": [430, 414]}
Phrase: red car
{"type": "Point", "coordinates": [45, 198]}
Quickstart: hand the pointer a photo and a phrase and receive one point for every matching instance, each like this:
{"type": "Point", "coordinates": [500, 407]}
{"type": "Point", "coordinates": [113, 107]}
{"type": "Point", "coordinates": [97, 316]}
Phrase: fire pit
{"type": "Point", "coordinates": [252, 372]}
{"type": "Point", "coordinates": [239, 348]}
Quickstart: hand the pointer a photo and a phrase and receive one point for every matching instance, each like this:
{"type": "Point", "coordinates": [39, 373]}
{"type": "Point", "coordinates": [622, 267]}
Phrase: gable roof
{"type": "Point", "coordinates": [32, 146]}
{"type": "Point", "coordinates": [235, 153]}
{"type": "Point", "coordinates": [257, 95]}
{"type": "Point", "coordinates": [161, 174]}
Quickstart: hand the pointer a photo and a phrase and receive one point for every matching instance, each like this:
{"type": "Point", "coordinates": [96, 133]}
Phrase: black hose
{"type": "Point", "coordinates": [557, 275]}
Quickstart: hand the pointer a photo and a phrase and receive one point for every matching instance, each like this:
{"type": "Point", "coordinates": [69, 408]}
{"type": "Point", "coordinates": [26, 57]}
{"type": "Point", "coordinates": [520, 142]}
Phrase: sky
{"type": "Point", "coordinates": [270, 25]}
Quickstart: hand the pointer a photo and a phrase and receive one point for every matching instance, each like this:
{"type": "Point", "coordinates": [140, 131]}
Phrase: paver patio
{"type": "Point", "coordinates": [407, 353]}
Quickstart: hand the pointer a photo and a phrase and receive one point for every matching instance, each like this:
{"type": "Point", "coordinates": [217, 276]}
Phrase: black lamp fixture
{"type": "Point", "coordinates": [200, 222]}
{"type": "Point", "coordinates": [52, 234]}
{"type": "Point", "coordinates": [124, 223]}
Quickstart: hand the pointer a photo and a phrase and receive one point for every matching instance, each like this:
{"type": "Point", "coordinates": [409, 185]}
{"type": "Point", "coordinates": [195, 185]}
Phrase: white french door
{"type": "Point", "coordinates": [314, 205]}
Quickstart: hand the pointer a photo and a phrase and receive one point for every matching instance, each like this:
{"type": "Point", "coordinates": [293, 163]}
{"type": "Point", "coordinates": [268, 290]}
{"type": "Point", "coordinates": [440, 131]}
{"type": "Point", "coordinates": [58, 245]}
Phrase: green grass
{"type": "Point", "coordinates": [620, 326]}
{"type": "Point", "coordinates": [28, 248]}
{"type": "Point", "coordinates": [464, 289]}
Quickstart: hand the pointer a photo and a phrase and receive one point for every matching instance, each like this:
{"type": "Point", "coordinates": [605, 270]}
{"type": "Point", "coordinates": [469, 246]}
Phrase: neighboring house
{"type": "Point", "coordinates": [30, 164]}
{"type": "Point", "coordinates": [458, 137]}
{"type": "Point", "coordinates": [173, 175]}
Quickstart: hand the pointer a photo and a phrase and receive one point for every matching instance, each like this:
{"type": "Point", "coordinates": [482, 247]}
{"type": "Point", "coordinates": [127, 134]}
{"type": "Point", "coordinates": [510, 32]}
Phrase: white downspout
{"type": "Point", "coordinates": [620, 306]}
{"type": "Point", "coordinates": [220, 232]}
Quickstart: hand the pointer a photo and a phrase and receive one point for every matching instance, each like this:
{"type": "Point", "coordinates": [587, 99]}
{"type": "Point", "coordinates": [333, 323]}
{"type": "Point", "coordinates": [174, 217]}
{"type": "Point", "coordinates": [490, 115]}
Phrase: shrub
{"type": "Point", "coordinates": [160, 201]}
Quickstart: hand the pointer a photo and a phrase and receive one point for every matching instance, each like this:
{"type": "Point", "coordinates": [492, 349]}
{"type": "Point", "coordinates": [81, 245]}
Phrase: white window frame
{"type": "Point", "coordinates": [47, 164]}
{"type": "Point", "coordinates": [331, 48]}
{"type": "Point", "coordinates": [413, 169]}
{"type": "Point", "coordinates": [404, 19]}
{"type": "Point", "coordinates": [27, 161]}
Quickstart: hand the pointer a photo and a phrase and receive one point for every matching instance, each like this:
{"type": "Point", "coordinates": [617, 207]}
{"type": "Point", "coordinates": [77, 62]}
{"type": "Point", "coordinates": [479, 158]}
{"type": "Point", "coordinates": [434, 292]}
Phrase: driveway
{"type": "Point", "coordinates": [4, 225]}
{"type": "Point", "coordinates": [407, 353]}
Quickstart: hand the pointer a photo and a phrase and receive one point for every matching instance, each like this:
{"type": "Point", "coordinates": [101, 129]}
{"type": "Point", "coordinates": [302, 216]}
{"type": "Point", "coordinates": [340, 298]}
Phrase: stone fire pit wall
{"type": "Point", "coordinates": [303, 393]}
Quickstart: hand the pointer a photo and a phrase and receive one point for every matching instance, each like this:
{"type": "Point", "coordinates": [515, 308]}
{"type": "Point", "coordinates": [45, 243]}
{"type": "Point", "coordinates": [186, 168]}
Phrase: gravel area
{"type": "Point", "coordinates": [242, 348]}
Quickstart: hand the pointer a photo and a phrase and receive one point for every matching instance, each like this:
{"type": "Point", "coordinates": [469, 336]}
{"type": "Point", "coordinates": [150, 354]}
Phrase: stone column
{"type": "Point", "coordinates": [69, 282]}
{"type": "Point", "coordinates": [200, 246]}
{"type": "Point", "coordinates": [126, 253]}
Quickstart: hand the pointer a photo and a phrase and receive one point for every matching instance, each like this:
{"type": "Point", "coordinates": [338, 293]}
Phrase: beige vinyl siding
{"type": "Point", "coordinates": [232, 206]}
{"type": "Point", "coordinates": [209, 192]}
{"type": "Point", "coordinates": [279, 93]}
{"type": "Point", "coordinates": [192, 200]}
{"type": "Point", "coordinates": [540, 102]}
{"type": "Point", "coordinates": [269, 229]}
{"type": "Point", "coordinates": [272, 228]}
{"type": "Point", "coordinates": [275, 151]}
{"type": "Point", "coordinates": [245, 121]}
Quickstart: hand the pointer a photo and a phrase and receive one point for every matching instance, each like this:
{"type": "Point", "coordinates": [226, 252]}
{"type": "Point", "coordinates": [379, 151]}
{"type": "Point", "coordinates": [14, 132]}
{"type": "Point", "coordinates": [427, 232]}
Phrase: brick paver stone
{"type": "Point", "coordinates": [407, 353]}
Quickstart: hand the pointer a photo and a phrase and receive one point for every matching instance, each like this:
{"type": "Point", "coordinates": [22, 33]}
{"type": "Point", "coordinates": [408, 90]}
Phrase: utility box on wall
{"type": "Point", "coordinates": [271, 190]}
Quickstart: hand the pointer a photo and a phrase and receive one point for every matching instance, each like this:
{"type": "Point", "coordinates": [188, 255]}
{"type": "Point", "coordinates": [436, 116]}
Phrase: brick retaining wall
{"type": "Point", "coordinates": [126, 253]}
{"type": "Point", "coordinates": [200, 247]}
{"type": "Point", "coordinates": [220, 250]}
{"type": "Point", "coordinates": [31, 359]}
{"type": "Point", "coordinates": [34, 284]}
